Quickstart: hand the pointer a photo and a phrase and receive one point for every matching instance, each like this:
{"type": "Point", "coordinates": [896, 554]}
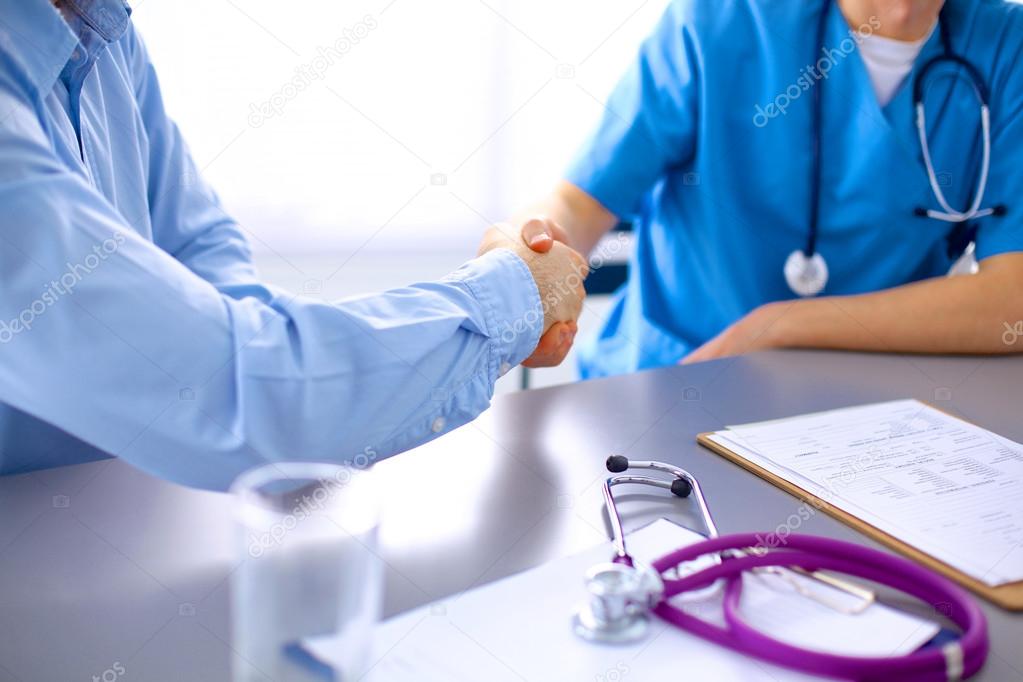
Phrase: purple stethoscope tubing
{"type": "Point", "coordinates": [952, 661]}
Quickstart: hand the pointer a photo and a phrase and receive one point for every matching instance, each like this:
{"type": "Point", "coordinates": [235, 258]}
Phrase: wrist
{"type": "Point", "coordinates": [777, 324]}
{"type": "Point", "coordinates": [504, 286]}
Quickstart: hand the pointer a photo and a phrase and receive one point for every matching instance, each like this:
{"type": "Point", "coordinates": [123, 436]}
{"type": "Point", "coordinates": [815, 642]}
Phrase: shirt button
{"type": "Point", "coordinates": [438, 424]}
{"type": "Point", "coordinates": [504, 368]}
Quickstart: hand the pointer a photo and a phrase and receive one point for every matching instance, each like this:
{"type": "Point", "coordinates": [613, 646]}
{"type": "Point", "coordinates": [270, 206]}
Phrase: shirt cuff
{"type": "Point", "coordinates": [503, 285]}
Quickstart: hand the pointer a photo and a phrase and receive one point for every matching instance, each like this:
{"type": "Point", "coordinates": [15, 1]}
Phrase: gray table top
{"type": "Point", "coordinates": [104, 569]}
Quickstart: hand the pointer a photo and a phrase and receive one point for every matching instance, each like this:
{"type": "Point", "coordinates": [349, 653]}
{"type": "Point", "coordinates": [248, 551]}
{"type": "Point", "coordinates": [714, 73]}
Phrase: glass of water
{"type": "Point", "coordinates": [307, 536]}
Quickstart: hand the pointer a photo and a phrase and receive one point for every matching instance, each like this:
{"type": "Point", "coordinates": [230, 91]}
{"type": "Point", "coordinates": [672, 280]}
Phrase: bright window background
{"type": "Point", "coordinates": [490, 97]}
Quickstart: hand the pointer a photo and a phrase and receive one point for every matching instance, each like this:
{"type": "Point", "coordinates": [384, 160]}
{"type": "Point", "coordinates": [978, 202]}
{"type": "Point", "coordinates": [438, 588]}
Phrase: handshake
{"type": "Point", "coordinates": [558, 271]}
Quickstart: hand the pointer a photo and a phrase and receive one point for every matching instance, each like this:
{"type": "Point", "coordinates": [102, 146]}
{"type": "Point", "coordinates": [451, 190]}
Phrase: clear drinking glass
{"type": "Point", "coordinates": [307, 536]}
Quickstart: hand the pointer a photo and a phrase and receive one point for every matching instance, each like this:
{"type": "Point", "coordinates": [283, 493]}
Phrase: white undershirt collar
{"type": "Point", "coordinates": [889, 61]}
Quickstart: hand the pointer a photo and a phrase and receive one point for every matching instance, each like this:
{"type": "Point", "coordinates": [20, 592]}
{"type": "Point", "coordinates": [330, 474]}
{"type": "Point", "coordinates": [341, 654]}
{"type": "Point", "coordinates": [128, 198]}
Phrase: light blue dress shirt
{"type": "Point", "coordinates": [131, 319]}
{"type": "Point", "coordinates": [721, 189]}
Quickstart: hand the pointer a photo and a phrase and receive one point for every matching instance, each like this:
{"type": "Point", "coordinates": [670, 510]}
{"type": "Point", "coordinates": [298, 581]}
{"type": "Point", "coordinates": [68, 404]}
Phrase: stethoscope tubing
{"type": "Point", "coordinates": [980, 91]}
{"type": "Point", "coordinates": [817, 132]}
{"type": "Point", "coordinates": [960, 659]}
{"type": "Point", "coordinates": [948, 213]}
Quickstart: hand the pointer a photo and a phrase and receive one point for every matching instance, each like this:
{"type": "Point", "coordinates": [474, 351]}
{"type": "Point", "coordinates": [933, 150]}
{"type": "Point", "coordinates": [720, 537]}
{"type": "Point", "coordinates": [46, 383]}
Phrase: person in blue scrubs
{"type": "Point", "coordinates": [132, 322]}
{"type": "Point", "coordinates": [707, 146]}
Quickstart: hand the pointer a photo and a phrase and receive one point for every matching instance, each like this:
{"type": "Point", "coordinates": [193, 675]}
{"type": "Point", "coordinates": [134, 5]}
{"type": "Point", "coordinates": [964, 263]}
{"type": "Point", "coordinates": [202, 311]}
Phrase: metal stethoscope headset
{"type": "Point", "coordinates": [623, 592]}
{"type": "Point", "coordinates": [806, 271]}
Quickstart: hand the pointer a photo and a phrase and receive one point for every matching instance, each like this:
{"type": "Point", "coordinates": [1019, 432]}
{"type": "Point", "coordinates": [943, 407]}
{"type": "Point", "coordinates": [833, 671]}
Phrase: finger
{"type": "Point", "coordinates": [557, 336]}
{"type": "Point", "coordinates": [561, 353]}
{"type": "Point", "coordinates": [704, 352]}
{"type": "Point", "coordinates": [493, 238]}
{"type": "Point", "coordinates": [538, 235]}
{"type": "Point", "coordinates": [545, 360]}
{"type": "Point", "coordinates": [553, 346]}
{"type": "Point", "coordinates": [581, 266]}
{"type": "Point", "coordinates": [538, 361]}
{"type": "Point", "coordinates": [548, 360]}
{"type": "Point", "coordinates": [557, 231]}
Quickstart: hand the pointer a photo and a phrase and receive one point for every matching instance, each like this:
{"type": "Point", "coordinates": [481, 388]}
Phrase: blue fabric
{"type": "Point", "coordinates": [695, 146]}
{"type": "Point", "coordinates": [131, 319]}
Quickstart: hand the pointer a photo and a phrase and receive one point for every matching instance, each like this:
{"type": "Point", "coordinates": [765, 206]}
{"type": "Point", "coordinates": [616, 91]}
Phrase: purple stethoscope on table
{"type": "Point", "coordinates": [623, 592]}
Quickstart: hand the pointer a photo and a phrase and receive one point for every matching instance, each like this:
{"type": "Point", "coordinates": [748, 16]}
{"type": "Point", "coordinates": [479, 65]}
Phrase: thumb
{"type": "Point", "coordinates": [538, 235]}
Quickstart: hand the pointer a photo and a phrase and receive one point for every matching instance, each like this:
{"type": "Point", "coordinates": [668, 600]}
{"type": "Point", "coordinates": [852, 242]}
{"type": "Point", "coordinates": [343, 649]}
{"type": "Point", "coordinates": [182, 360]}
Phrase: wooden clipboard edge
{"type": "Point", "coordinates": [1008, 596]}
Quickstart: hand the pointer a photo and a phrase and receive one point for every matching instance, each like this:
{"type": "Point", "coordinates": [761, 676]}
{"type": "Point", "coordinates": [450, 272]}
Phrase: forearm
{"type": "Point", "coordinates": [196, 384]}
{"type": "Point", "coordinates": [582, 218]}
{"type": "Point", "coordinates": [965, 314]}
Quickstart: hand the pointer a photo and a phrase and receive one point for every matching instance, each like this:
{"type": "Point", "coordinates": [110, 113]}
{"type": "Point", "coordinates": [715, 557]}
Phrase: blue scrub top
{"type": "Point", "coordinates": [707, 144]}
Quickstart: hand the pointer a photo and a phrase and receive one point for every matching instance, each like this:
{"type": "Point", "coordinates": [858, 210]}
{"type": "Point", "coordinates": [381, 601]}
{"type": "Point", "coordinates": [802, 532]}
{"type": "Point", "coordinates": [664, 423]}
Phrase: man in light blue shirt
{"type": "Point", "coordinates": [131, 319]}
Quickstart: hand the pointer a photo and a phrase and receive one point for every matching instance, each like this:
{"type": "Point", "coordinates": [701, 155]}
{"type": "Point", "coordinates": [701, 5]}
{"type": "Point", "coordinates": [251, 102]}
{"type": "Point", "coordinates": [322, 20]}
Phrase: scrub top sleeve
{"type": "Point", "coordinates": [997, 235]}
{"type": "Point", "coordinates": [187, 218]}
{"type": "Point", "coordinates": [649, 123]}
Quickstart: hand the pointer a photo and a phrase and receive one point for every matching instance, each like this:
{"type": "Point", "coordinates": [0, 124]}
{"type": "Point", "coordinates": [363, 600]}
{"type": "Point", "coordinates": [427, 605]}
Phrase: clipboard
{"type": "Point", "coordinates": [1008, 596]}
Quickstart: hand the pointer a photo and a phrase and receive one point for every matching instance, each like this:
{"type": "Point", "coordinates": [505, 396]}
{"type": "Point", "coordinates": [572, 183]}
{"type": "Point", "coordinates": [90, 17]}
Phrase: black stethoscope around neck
{"type": "Point", "coordinates": [806, 271]}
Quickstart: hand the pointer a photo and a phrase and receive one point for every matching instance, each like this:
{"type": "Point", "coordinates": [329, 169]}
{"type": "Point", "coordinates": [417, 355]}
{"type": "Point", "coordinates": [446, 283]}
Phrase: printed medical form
{"type": "Point", "coordinates": [948, 487]}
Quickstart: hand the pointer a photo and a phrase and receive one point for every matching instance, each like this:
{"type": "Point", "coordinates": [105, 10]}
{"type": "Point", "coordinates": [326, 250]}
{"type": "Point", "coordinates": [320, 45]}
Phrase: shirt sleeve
{"type": "Point", "coordinates": [649, 122]}
{"type": "Point", "coordinates": [1004, 234]}
{"type": "Point", "coordinates": [187, 218]}
{"type": "Point", "coordinates": [112, 339]}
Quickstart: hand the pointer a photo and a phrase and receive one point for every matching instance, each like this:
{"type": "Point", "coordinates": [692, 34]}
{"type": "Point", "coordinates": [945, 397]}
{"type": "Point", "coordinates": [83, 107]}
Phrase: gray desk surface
{"type": "Point", "coordinates": [103, 566]}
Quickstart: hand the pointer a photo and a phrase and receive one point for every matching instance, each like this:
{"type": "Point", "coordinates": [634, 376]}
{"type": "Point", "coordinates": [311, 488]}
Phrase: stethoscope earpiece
{"type": "Point", "coordinates": [680, 487]}
{"type": "Point", "coordinates": [616, 464]}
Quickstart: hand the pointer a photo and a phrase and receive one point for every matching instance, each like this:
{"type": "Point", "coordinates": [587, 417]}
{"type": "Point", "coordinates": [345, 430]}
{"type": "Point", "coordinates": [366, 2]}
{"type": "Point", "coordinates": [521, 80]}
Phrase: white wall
{"type": "Point", "coordinates": [467, 89]}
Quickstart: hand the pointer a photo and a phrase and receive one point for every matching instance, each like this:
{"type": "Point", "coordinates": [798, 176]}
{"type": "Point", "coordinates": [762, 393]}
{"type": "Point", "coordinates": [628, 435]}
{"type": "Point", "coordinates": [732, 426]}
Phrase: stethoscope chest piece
{"type": "Point", "coordinates": [620, 599]}
{"type": "Point", "coordinates": [806, 275]}
{"type": "Point", "coordinates": [624, 594]}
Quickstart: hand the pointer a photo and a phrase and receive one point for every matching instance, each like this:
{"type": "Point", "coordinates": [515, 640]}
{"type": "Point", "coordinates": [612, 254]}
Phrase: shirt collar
{"type": "Point", "coordinates": [109, 18]}
{"type": "Point", "coordinates": [37, 36]}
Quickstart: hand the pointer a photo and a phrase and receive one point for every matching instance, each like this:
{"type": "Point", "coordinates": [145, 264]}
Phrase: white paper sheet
{"type": "Point", "coordinates": [943, 485]}
{"type": "Point", "coordinates": [520, 629]}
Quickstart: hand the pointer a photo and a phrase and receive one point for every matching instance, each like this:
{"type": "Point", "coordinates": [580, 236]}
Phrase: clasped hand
{"type": "Point", "coordinates": [559, 272]}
